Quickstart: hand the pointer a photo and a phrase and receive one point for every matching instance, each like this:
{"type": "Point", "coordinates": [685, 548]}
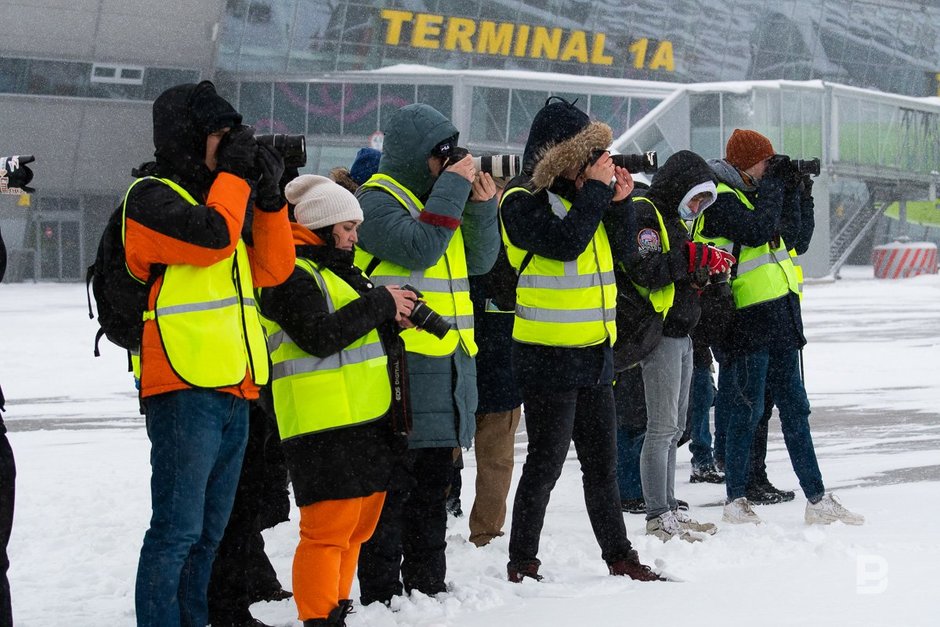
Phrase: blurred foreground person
{"type": "Point", "coordinates": [7, 492]}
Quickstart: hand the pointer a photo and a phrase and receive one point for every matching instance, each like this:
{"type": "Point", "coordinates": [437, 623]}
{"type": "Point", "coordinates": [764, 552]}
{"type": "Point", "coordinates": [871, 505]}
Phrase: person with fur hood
{"type": "Point", "coordinates": [564, 327]}
{"type": "Point", "coordinates": [669, 270]}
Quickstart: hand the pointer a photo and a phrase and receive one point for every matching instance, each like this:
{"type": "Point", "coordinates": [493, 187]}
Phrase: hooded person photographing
{"type": "Point", "coordinates": [564, 328]}
{"type": "Point", "coordinates": [203, 354]}
{"type": "Point", "coordinates": [430, 221]}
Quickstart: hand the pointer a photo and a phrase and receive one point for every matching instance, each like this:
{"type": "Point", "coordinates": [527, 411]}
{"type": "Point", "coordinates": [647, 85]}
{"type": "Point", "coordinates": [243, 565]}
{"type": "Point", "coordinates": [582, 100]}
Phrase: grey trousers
{"type": "Point", "coordinates": [667, 375]}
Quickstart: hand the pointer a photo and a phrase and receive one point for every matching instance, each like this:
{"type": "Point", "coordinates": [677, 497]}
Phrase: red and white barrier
{"type": "Point", "coordinates": [900, 260]}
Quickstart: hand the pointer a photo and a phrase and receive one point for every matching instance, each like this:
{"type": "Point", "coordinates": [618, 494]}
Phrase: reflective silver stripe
{"type": "Point", "coordinates": [276, 339]}
{"type": "Point", "coordinates": [424, 284]}
{"type": "Point", "coordinates": [728, 248]}
{"type": "Point", "coordinates": [756, 262]}
{"type": "Point", "coordinates": [565, 315]}
{"type": "Point", "coordinates": [400, 193]}
{"type": "Point", "coordinates": [249, 302]}
{"type": "Point", "coordinates": [558, 207]}
{"type": "Point", "coordinates": [461, 322]}
{"type": "Point", "coordinates": [566, 282]}
{"type": "Point", "coordinates": [192, 307]}
{"type": "Point", "coordinates": [333, 362]}
{"type": "Point", "coordinates": [796, 261]}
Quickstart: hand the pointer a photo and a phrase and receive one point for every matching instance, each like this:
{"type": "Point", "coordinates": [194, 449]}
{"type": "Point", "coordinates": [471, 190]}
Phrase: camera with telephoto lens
{"type": "Point", "coordinates": [292, 148]}
{"type": "Point", "coordinates": [426, 318]}
{"type": "Point", "coordinates": [647, 163]}
{"type": "Point", "coordinates": [499, 166]}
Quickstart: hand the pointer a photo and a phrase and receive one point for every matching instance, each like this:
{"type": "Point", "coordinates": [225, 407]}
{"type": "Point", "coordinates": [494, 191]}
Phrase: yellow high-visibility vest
{"type": "Point", "coordinates": [208, 319]}
{"type": "Point", "coordinates": [564, 303]}
{"type": "Point", "coordinates": [313, 394]}
{"type": "Point", "coordinates": [763, 273]}
{"type": "Point", "coordinates": [445, 285]}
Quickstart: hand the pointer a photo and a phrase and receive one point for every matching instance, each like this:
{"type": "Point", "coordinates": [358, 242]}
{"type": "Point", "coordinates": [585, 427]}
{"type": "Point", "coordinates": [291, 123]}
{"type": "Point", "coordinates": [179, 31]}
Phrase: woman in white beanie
{"type": "Point", "coordinates": [333, 339]}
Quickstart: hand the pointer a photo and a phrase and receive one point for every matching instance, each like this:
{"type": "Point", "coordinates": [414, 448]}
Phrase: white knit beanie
{"type": "Point", "coordinates": [319, 202]}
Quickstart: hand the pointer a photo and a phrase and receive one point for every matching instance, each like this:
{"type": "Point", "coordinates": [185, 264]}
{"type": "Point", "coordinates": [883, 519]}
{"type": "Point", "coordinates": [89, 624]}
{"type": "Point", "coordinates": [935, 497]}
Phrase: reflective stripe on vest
{"type": "Point", "coordinates": [763, 274]}
{"type": "Point", "coordinates": [445, 285]}
{"type": "Point", "coordinates": [662, 297]}
{"type": "Point", "coordinates": [313, 394]}
{"type": "Point", "coordinates": [798, 270]}
{"type": "Point", "coordinates": [208, 321]}
{"type": "Point", "coordinates": [564, 303]}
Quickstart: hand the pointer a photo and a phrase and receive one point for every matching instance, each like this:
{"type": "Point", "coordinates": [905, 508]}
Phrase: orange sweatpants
{"type": "Point", "coordinates": [331, 533]}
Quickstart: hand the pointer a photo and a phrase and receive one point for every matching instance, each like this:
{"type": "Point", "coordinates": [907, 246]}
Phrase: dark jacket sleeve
{"type": "Point", "coordinates": [532, 226]}
{"type": "Point", "coordinates": [728, 217]}
{"type": "Point", "coordinates": [620, 223]}
{"type": "Point", "coordinates": [807, 224]}
{"type": "Point", "coordinates": [299, 307]}
{"type": "Point", "coordinates": [162, 228]}
{"type": "Point", "coordinates": [650, 268]}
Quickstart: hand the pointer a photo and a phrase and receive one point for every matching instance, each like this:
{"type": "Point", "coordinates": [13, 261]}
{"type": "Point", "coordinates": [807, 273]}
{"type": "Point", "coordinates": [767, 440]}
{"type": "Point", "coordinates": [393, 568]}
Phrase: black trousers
{"type": "Point", "coordinates": [407, 550]}
{"type": "Point", "coordinates": [554, 418]}
{"type": "Point", "coordinates": [757, 474]}
{"type": "Point", "coordinates": [7, 493]}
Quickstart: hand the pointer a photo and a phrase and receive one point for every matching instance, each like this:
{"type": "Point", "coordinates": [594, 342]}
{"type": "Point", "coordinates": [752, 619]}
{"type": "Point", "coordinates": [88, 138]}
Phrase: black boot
{"type": "Point", "coordinates": [337, 617]}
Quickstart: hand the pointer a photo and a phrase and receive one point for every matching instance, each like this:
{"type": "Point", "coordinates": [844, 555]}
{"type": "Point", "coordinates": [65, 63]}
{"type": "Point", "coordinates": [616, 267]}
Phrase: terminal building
{"type": "Point", "coordinates": [852, 82]}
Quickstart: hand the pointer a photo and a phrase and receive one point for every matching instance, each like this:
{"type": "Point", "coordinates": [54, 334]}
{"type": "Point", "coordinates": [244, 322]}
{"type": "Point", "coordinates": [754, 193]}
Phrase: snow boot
{"type": "Point", "coordinates": [828, 510]}
{"type": "Point", "coordinates": [517, 571]}
{"type": "Point", "coordinates": [632, 567]}
{"type": "Point", "coordinates": [706, 474]}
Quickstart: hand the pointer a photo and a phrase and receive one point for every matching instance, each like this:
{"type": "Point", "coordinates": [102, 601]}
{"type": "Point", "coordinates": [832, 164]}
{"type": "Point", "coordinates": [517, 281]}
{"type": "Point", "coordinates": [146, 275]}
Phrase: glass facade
{"type": "Point", "coordinates": [888, 45]}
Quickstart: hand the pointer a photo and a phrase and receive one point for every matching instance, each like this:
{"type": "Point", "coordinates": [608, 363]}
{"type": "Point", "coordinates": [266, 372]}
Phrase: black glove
{"type": "Point", "coordinates": [17, 175]}
{"type": "Point", "coordinates": [236, 153]}
{"type": "Point", "coordinates": [270, 164]}
{"type": "Point", "coordinates": [779, 167]}
{"type": "Point", "coordinates": [806, 186]}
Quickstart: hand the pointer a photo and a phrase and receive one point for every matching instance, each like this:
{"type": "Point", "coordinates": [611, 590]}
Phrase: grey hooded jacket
{"type": "Point", "coordinates": [443, 389]}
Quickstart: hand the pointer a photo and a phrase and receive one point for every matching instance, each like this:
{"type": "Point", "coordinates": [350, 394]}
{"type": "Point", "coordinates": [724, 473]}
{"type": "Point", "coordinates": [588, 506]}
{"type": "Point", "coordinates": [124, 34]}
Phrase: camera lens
{"type": "Point", "coordinates": [426, 318]}
{"type": "Point", "coordinates": [292, 148]}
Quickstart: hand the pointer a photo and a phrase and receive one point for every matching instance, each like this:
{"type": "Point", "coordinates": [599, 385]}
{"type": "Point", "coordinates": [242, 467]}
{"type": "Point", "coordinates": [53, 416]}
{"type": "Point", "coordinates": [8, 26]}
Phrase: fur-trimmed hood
{"type": "Point", "coordinates": [554, 158]}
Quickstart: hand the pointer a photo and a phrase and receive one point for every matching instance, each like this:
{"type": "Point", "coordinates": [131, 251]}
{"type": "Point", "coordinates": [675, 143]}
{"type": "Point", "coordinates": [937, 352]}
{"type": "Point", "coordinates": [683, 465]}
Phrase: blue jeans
{"type": "Point", "coordinates": [741, 388]}
{"type": "Point", "coordinates": [197, 442]}
{"type": "Point", "coordinates": [701, 398]}
{"type": "Point", "coordinates": [629, 445]}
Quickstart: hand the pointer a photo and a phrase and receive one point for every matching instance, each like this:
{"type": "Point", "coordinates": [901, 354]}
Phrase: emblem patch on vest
{"type": "Point", "coordinates": [648, 241]}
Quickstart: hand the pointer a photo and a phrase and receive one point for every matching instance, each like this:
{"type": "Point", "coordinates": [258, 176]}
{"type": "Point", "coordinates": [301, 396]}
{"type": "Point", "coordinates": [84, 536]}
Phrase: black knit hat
{"type": "Point", "coordinates": [555, 122]}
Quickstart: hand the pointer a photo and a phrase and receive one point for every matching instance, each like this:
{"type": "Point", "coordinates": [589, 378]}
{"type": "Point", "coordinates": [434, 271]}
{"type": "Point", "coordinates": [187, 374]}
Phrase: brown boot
{"type": "Point", "coordinates": [632, 568]}
{"type": "Point", "coordinates": [519, 571]}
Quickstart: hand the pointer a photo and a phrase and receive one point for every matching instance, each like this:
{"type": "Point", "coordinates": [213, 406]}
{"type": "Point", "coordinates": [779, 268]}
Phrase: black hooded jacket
{"type": "Point", "coordinates": [561, 136]}
{"type": "Point", "coordinates": [647, 265]}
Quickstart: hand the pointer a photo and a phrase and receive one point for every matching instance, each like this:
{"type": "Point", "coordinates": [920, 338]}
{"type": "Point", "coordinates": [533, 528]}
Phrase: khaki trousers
{"type": "Point", "coordinates": [493, 446]}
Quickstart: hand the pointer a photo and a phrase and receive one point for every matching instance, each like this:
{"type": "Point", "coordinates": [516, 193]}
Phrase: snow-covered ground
{"type": "Point", "coordinates": [871, 369]}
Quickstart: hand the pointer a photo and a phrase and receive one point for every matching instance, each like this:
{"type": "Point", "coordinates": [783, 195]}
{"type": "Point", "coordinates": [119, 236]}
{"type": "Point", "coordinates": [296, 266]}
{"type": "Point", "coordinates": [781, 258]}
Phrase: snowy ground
{"type": "Point", "coordinates": [871, 367]}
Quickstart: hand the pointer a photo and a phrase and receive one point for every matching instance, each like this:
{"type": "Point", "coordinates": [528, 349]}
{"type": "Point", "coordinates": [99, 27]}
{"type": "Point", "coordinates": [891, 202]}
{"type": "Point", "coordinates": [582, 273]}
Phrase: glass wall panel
{"type": "Point", "coordinates": [441, 97]}
{"type": "Point", "coordinates": [705, 121]}
{"type": "Point", "coordinates": [325, 109]}
{"type": "Point", "coordinates": [488, 114]}
{"type": "Point", "coordinates": [848, 128]}
{"type": "Point", "coordinates": [812, 125]}
{"type": "Point", "coordinates": [290, 108]}
{"type": "Point", "coordinates": [394, 97]}
{"type": "Point", "coordinates": [525, 104]}
{"type": "Point", "coordinates": [612, 110]}
{"type": "Point", "coordinates": [360, 109]}
{"type": "Point", "coordinates": [254, 103]}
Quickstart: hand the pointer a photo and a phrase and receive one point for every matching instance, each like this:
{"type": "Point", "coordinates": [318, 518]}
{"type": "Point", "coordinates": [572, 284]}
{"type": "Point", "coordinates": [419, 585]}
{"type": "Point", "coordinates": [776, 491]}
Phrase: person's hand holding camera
{"type": "Point", "coordinates": [601, 169]}
{"type": "Point", "coordinates": [482, 188]}
{"type": "Point", "coordinates": [623, 184]}
{"type": "Point", "coordinates": [779, 167]}
{"type": "Point", "coordinates": [404, 304]}
{"type": "Point", "coordinates": [271, 166]}
{"type": "Point", "coordinates": [237, 151]}
{"type": "Point", "coordinates": [716, 260]}
{"type": "Point", "coordinates": [806, 186]}
{"type": "Point", "coordinates": [463, 167]}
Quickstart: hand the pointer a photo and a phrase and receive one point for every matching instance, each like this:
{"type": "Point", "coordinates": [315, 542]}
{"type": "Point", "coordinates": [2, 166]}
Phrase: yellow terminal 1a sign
{"type": "Point", "coordinates": [508, 39]}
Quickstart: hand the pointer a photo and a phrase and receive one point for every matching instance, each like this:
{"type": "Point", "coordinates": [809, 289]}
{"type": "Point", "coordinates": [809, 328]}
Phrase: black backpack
{"type": "Point", "coordinates": [120, 297]}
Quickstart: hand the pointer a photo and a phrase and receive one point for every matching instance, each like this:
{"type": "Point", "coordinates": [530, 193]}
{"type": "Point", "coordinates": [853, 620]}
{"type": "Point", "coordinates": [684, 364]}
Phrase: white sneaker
{"type": "Point", "coordinates": [739, 511]}
{"type": "Point", "coordinates": [687, 522]}
{"type": "Point", "coordinates": [829, 510]}
{"type": "Point", "coordinates": [666, 527]}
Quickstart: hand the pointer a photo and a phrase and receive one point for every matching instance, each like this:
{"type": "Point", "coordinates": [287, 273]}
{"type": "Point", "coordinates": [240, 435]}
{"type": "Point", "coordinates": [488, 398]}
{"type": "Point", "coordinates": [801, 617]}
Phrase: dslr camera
{"type": "Point", "coordinates": [292, 148]}
{"type": "Point", "coordinates": [15, 176]}
{"type": "Point", "coordinates": [646, 163]}
{"type": "Point", "coordinates": [498, 166]}
{"type": "Point", "coordinates": [798, 167]}
{"type": "Point", "coordinates": [426, 318]}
